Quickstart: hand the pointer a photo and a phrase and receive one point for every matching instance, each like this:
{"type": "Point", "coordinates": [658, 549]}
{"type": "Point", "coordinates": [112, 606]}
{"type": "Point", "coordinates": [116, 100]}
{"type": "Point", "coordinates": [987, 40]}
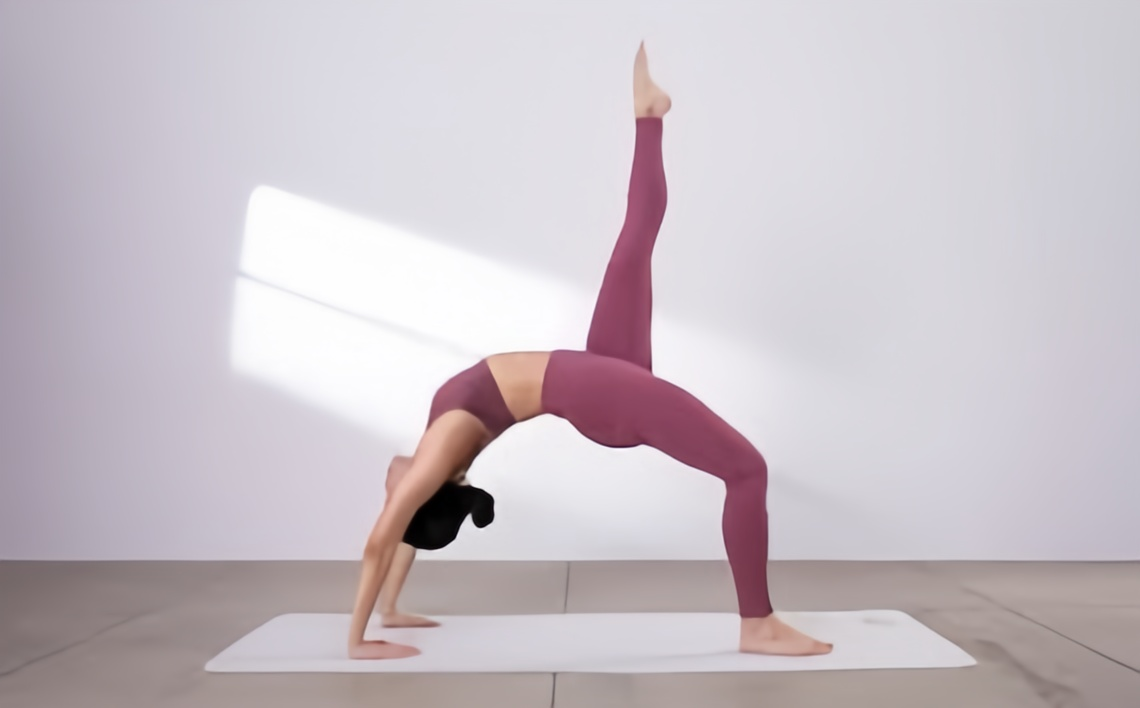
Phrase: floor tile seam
{"type": "Point", "coordinates": [184, 600]}
{"type": "Point", "coordinates": [1046, 627]}
{"type": "Point", "coordinates": [94, 635]}
{"type": "Point", "coordinates": [565, 606]}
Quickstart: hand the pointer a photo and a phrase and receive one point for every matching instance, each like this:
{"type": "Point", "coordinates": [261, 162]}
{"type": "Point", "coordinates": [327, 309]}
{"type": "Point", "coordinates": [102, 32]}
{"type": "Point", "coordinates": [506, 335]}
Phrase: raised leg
{"type": "Point", "coordinates": [623, 312]}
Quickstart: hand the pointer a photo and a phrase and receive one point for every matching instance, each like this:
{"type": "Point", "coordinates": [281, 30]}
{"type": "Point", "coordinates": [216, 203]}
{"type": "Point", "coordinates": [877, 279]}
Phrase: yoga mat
{"type": "Point", "coordinates": [626, 643]}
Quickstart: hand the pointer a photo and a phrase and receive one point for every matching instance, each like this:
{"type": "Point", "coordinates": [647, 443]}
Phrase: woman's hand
{"type": "Point", "coordinates": [381, 650]}
{"type": "Point", "coordinates": [446, 442]}
{"type": "Point", "coordinates": [399, 619]}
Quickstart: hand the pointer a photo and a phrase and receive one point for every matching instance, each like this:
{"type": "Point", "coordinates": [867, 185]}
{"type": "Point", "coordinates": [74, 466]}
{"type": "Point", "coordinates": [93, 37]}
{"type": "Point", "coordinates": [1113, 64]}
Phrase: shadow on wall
{"type": "Point", "coordinates": [364, 321]}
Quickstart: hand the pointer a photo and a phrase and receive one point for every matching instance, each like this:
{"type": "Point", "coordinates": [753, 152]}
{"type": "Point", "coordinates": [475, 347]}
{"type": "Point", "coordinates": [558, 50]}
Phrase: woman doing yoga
{"type": "Point", "coordinates": [610, 394]}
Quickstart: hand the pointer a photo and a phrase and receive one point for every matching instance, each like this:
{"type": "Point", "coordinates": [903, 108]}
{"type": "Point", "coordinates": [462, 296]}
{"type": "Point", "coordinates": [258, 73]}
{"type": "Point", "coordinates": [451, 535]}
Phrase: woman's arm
{"type": "Point", "coordinates": [373, 568]}
{"type": "Point", "coordinates": [401, 563]}
{"type": "Point", "coordinates": [390, 615]}
{"type": "Point", "coordinates": [445, 445]}
{"type": "Point", "coordinates": [397, 574]}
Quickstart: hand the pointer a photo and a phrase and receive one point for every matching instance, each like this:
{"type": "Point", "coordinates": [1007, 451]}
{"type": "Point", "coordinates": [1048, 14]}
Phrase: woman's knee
{"type": "Point", "coordinates": [749, 468]}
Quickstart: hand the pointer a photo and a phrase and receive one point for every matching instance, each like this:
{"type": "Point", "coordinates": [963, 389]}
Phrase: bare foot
{"type": "Point", "coordinates": [398, 619]}
{"type": "Point", "coordinates": [769, 635]}
{"type": "Point", "coordinates": [381, 650]}
{"type": "Point", "coordinates": [649, 101]}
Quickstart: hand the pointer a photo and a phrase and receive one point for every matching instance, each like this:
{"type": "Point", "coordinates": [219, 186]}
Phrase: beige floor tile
{"type": "Point", "coordinates": [1112, 631]}
{"type": "Point", "coordinates": [1029, 583]}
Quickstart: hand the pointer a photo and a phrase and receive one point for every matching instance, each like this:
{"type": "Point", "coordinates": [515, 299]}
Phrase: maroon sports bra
{"type": "Point", "coordinates": [474, 390]}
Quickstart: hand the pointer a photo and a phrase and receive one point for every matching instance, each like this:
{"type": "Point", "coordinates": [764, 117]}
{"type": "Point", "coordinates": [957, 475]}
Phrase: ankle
{"type": "Point", "coordinates": [761, 625]}
{"type": "Point", "coordinates": [655, 105]}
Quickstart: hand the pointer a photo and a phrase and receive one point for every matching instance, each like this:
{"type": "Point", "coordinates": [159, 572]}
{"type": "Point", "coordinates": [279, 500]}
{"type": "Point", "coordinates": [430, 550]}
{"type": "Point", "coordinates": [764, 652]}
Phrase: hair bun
{"type": "Point", "coordinates": [437, 522]}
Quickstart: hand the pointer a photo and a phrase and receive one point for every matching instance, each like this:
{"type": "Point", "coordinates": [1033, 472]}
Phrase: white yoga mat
{"type": "Point", "coordinates": [625, 643]}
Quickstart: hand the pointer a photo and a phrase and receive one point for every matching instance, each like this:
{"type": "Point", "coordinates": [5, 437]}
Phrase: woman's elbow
{"type": "Point", "coordinates": [382, 539]}
{"type": "Point", "coordinates": [373, 548]}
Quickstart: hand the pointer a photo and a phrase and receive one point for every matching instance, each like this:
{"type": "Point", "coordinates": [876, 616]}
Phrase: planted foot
{"type": "Point", "coordinates": [769, 635]}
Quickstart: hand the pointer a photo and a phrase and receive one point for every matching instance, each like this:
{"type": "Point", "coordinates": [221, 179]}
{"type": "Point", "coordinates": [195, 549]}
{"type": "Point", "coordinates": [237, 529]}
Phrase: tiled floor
{"type": "Point", "coordinates": [138, 634]}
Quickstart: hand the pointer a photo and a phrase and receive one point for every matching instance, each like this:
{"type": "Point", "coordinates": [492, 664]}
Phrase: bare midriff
{"type": "Point", "coordinates": [519, 376]}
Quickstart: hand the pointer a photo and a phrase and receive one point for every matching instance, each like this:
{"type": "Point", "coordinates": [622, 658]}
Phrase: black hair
{"type": "Point", "coordinates": [437, 522]}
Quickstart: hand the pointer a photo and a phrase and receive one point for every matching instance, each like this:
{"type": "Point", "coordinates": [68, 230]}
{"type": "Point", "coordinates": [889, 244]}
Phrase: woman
{"type": "Point", "coordinates": [608, 393]}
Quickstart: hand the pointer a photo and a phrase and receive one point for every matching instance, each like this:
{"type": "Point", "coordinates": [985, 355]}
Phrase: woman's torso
{"type": "Point", "coordinates": [519, 376]}
{"type": "Point", "coordinates": [481, 402]}
{"type": "Point", "coordinates": [494, 394]}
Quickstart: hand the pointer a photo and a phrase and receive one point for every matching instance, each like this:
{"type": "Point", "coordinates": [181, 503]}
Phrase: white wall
{"type": "Point", "coordinates": [901, 255]}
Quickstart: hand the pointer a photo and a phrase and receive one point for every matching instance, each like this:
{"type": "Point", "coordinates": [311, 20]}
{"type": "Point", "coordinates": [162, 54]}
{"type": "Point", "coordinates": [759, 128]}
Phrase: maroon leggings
{"type": "Point", "coordinates": [610, 394]}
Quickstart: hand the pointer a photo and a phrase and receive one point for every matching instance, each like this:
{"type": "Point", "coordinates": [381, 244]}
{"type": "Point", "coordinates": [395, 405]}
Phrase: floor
{"type": "Point", "coordinates": [138, 634]}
